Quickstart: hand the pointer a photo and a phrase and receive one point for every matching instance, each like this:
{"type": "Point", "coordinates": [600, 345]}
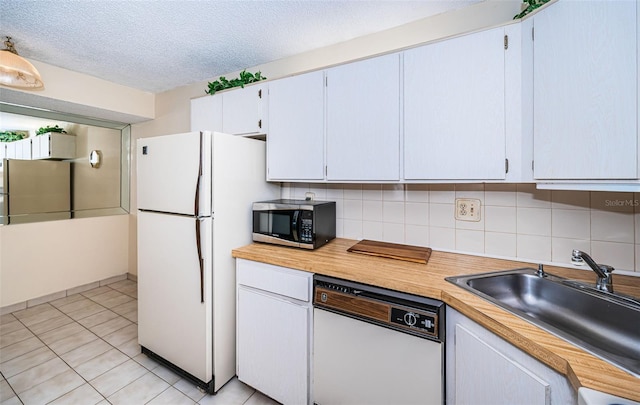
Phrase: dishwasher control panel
{"type": "Point", "coordinates": [419, 316]}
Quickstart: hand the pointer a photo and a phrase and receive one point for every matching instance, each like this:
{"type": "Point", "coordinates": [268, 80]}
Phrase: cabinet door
{"type": "Point", "coordinates": [206, 113]}
{"type": "Point", "coordinates": [273, 349]}
{"type": "Point", "coordinates": [295, 150]}
{"type": "Point", "coordinates": [363, 120]}
{"type": "Point", "coordinates": [242, 110]}
{"type": "Point", "coordinates": [454, 108]}
{"type": "Point", "coordinates": [585, 83]}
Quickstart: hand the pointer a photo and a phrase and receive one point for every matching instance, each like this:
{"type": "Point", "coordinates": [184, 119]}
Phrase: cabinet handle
{"type": "Point", "coordinates": [260, 93]}
{"type": "Point", "coordinates": [260, 124]}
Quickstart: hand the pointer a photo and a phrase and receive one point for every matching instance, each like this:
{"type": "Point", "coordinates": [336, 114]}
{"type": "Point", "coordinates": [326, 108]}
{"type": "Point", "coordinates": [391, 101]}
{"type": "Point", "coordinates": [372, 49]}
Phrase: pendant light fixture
{"type": "Point", "coordinates": [15, 71]}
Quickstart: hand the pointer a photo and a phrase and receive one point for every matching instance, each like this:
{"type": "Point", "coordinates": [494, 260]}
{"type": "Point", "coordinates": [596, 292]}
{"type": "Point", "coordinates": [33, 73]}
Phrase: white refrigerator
{"type": "Point", "coordinates": [194, 206]}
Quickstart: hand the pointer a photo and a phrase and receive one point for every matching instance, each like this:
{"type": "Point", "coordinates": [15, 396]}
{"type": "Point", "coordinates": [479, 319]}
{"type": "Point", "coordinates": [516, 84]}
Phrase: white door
{"type": "Point", "coordinates": [169, 173]}
{"type": "Point", "coordinates": [363, 120]}
{"type": "Point", "coordinates": [174, 293]}
{"type": "Point", "coordinates": [242, 110]}
{"type": "Point", "coordinates": [585, 90]}
{"type": "Point", "coordinates": [454, 108]}
{"type": "Point", "coordinates": [295, 150]}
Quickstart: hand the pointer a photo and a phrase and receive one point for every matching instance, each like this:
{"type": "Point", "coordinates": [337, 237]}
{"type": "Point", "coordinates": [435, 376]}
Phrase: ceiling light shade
{"type": "Point", "coordinates": [15, 71]}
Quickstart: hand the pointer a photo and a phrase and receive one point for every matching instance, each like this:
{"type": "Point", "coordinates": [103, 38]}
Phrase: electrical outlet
{"type": "Point", "coordinates": [467, 209]}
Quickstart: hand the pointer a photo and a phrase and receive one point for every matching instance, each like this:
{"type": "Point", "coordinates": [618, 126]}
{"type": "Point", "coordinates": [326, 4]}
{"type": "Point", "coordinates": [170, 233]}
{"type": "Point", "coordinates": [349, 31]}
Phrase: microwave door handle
{"type": "Point", "coordinates": [295, 226]}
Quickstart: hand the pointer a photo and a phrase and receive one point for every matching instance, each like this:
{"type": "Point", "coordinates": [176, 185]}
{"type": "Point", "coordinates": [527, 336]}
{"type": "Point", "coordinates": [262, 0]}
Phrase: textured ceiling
{"type": "Point", "coordinates": [159, 45]}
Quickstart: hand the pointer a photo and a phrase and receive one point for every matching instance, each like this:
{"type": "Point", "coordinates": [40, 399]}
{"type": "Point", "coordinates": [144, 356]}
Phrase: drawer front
{"type": "Point", "coordinates": [275, 279]}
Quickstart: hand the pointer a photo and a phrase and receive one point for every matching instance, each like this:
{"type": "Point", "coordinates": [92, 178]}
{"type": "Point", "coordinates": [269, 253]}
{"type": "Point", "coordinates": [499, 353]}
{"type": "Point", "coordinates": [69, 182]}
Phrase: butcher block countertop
{"type": "Point", "coordinates": [581, 368]}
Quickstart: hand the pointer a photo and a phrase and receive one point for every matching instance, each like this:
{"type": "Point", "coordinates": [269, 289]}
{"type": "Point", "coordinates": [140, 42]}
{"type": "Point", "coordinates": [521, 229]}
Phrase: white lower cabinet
{"type": "Point", "coordinates": [482, 368]}
{"type": "Point", "coordinates": [274, 324]}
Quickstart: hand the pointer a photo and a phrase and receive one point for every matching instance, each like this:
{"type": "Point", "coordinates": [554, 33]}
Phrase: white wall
{"type": "Point", "coordinates": [47, 257]}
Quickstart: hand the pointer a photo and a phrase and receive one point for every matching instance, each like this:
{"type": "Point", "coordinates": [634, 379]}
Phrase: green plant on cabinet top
{"type": "Point", "coordinates": [223, 83]}
{"type": "Point", "coordinates": [530, 6]}
{"type": "Point", "coordinates": [48, 129]}
{"type": "Point", "coordinates": [10, 136]}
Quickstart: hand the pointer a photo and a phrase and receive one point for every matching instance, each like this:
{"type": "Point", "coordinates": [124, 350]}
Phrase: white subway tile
{"type": "Point", "coordinates": [372, 230]}
{"type": "Point", "coordinates": [352, 209]}
{"type": "Point", "coordinates": [417, 192]}
{"type": "Point", "coordinates": [417, 235]}
{"type": "Point", "coordinates": [613, 202]}
{"type": "Point", "coordinates": [441, 215]}
{"type": "Point", "coordinates": [393, 233]}
{"type": "Point", "coordinates": [320, 191]}
{"type": "Point", "coordinates": [637, 249]}
{"type": "Point", "coordinates": [372, 192]}
{"type": "Point", "coordinates": [533, 221]}
{"type": "Point", "coordinates": [561, 248]}
{"type": "Point", "coordinates": [574, 224]}
{"type": "Point", "coordinates": [472, 225]}
{"type": "Point", "coordinates": [500, 219]}
{"type": "Point", "coordinates": [339, 228]}
{"type": "Point", "coordinates": [471, 190]}
{"type": "Point", "coordinates": [352, 229]}
{"type": "Point", "coordinates": [500, 244]}
{"type": "Point", "coordinates": [393, 192]}
{"type": "Point", "coordinates": [416, 213]}
{"type": "Point", "coordinates": [352, 192]}
{"type": "Point", "coordinates": [619, 255]}
{"type": "Point", "coordinates": [529, 196]}
{"type": "Point", "coordinates": [334, 192]}
{"type": "Point", "coordinates": [442, 193]}
{"type": "Point", "coordinates": [372, 210]}
{"type": "Point", "coordinates": [570, 200]}
{"type": "Point", "coordinates": [393, 211]}
{"type": "Point", "coordinates": [469, 241]}
{"type": "Point", "coordinates": [612, 226]}
{"type": "Point", "coordinates": [442, 238]}
{"type": "Point", "coordinates": [500, 194]}
{"type": "Point", "coordinates": [533, 247]}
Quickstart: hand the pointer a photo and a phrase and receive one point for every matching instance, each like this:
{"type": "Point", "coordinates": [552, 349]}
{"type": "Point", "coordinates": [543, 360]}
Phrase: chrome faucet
{"type": "Point", "coordinates": [604, 272]}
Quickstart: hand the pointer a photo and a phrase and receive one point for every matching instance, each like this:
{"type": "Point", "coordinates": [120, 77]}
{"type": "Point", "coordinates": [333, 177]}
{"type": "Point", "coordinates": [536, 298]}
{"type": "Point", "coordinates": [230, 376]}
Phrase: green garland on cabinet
{"type": "Point", "coordinates": [223, 83]}
{"type": "Point", "coordinates": [10, 136]}
{"type": "Point", "coordinates": [531, 5]}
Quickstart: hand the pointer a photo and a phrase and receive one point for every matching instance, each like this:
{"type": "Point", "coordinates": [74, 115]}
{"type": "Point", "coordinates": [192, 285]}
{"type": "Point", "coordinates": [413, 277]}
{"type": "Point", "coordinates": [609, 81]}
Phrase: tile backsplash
{"type": "Point", "coordinates": [517, 221]}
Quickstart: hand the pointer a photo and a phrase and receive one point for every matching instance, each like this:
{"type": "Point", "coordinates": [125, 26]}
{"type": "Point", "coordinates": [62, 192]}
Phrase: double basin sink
{"type": "Point", "coordinates": [605, 324]}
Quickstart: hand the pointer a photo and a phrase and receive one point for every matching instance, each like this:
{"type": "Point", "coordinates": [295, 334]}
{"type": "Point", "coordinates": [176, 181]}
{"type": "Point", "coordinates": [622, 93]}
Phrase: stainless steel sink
{"type": "Point", "coordinates": [604, 324]}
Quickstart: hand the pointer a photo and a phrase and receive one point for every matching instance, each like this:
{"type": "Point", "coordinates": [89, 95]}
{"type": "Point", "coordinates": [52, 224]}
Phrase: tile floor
{"type": "Point", "coordinates": [83, 349]}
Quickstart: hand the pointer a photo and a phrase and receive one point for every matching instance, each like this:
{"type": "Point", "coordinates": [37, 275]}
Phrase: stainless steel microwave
{"type": "Point", "coordinates": [298, 223]}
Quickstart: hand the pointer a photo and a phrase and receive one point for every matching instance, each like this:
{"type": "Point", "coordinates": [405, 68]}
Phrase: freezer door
{"type": "Point", "coordinates": [174, 173]}
{"type": "Point", "coordinates": [174, 291]}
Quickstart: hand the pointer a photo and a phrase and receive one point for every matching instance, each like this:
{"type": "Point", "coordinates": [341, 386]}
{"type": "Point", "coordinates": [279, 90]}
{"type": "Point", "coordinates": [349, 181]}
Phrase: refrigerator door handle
{"type": "Point", "coordinates": [196, 207]}
{"type": "Point", "coordinates": [200, 260]}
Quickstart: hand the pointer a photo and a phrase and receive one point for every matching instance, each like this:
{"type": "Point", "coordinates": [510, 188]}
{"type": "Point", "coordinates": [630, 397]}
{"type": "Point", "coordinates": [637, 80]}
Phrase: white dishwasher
{"type": "Point", "coordinates": [376, 346]}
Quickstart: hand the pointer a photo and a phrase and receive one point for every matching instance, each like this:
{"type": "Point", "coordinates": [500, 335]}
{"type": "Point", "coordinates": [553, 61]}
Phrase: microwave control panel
{"type": "Point", "coordinates": [306, 227]}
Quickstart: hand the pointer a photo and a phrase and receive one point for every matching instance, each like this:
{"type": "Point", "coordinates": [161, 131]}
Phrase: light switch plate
{"type": "Point", "coordinates": [467, 209]}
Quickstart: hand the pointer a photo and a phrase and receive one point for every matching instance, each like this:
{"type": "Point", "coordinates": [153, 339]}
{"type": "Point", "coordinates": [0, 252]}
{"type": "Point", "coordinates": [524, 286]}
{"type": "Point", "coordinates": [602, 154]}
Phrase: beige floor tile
{"type": "Point", "coordinates": [61, 332]}
{"type": "Point", "coordinates": [26, 361]}
{"type": "Point", "coordinates": [15, 337]}
{"type": "Point", "coordinates": [131, 348]}
{"type": "Point", "coordinates": [90, 309]}
{"type": "Point", "coordinates": [166, 374]}
{"type": "Point", "coordinates": [140, 391]}
{"type": "Point", "coordinates": [86, 352]}
{"type": "Point", "coordinates": [132, 316]}
{"type": "Point", "coordinates": [101, 364]}
{"type": "Point", "coordinates": [259, 398]}
{"type": "Point", "coordinates": [232, 393]}
{"type": "Point", "coordinates": [121, 336]}
{"type": "Point", "coordinates": [72, 342]}
{"type": "Point", "coordinates": [118, 377]}
{"type": "Point", "coordinates": [126, 307]}
{"type": "Point", "coordinates": [50, 324]}
{"type": "Point", "coordinates": [52, 389]}
{"type": "Point", "coordinates": [10, 327]}
{"type": "Point", "coordinates": [189, 389]}
{"type": "Point", "coordinates": [146, 361]}
{"type": "Point", "coordinates": [171, 396]}
{"type": "Point", "coordinates": [110, 326]}
{"type": "Point", "coordinates": [97, 319]}
{"type": "Point", "coordinates": [96, 291]}
{"type": "Point", "coordinates": [83, 395]}
{"type": "Point", "coordinates": [20, 348]}
{"type": "Point", "coordinates": [75, 305]}
{"type": "Point", "coordinates": [67, 300]}
{"type": "Point", "coordinates": [37, 314]}
{"type": "Point", "coordinates": [6, 318]}
{"type": "Point", "coordinates": [36, 375]}
{"type": "Point", "coordinates": [6, 392]}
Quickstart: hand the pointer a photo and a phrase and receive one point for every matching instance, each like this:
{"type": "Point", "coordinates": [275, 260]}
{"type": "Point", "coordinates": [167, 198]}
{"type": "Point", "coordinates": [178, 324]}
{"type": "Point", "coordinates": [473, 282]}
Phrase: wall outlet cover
{"type": "Point", "coordinates": [467, 209]}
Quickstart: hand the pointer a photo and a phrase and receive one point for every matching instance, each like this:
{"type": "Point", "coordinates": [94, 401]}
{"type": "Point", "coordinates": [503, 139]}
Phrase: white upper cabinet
{"type": "Point", "coordinates": [206, 113]}
{"type": "Point", "coordinates": [244, 110]}
{"type": "Point", "coordinates": [295, 147]}
{"type": "Point", "coordinates": [586, 90]}
{"type": "Point", "coordinates": [454, 109]}
{"type": "Point", "coordinates": [363, 120]}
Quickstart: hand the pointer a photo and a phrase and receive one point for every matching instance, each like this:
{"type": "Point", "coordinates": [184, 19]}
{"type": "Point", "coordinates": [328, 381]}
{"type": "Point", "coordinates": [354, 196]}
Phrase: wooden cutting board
{"type": "Point", "coordinates": [408, 253]}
